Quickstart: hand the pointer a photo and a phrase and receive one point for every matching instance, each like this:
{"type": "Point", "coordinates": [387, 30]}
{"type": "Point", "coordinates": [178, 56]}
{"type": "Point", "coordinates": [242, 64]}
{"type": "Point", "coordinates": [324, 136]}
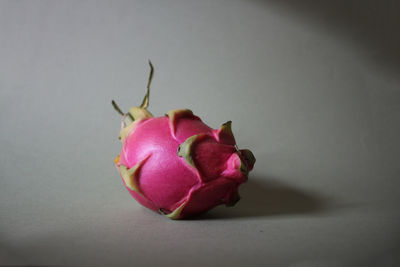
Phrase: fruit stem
{"type": "Point", "coordinates": [145, 102]}
{"type": "Point", "coordinates": [116, 107]}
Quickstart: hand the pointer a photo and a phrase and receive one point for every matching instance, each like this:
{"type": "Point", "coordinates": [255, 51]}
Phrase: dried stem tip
{"type": "Point", "coordinates": [117, 108]}
{"type": "Point", "coordinates": [145, 102]}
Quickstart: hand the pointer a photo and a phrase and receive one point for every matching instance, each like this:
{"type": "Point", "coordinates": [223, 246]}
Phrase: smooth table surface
{"type": "Point", "coordinates": [312, 87]}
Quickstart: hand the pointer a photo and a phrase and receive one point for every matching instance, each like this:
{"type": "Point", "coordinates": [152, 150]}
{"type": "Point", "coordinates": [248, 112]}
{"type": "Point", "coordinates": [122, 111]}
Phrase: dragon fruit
{"type": "Point", "coordinates": [176, 164]}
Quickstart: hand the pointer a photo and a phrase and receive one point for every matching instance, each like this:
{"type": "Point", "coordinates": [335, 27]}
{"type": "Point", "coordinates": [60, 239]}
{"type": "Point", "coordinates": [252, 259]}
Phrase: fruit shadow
{"type": "Point", "coordinates": [263, 198]}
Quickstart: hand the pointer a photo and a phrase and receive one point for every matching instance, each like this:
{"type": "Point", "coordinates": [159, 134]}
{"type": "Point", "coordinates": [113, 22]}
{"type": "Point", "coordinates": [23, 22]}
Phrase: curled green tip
{"type": "Point", "coordinates": [116, 107]}
{"type": "Point", "coordinates": [176, 214]}
{"type": "Point", "coordinates": [145, 102]}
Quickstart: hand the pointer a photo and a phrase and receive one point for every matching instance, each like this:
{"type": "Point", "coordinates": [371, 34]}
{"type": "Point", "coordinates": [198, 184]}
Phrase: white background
{"type": "Point", "coordinates": [312, 88]}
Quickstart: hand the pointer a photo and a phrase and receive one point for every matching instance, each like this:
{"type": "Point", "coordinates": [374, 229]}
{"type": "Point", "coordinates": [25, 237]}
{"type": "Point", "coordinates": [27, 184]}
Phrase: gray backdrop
{"type": "Point", "coordinates": [312, 87]}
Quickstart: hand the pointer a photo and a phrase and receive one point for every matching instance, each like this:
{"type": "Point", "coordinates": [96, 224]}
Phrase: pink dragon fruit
{"type": "Point", "coordinates": [177, 165]}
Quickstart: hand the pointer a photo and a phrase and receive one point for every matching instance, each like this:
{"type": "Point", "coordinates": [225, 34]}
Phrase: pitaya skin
{"type": "Point", "coordinates": [177, 165]}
